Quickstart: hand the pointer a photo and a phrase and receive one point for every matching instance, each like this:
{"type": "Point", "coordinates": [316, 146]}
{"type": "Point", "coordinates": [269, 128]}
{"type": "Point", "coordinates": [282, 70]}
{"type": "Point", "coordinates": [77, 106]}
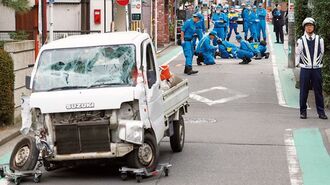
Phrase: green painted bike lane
{"type": "Point", "coordinates": [4, 159]}
{"type": "Point", "coordinates": [286, 75]}
{"type": "Point", "coordinates": [313, 157]}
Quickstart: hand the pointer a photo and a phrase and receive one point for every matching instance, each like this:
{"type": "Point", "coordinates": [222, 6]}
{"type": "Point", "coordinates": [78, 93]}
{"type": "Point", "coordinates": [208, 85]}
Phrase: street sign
{"type": "Point", "coordinates": [122, 2]}
{"type": "Point", "coordinates": [136, 10]}
{"type": "Point", "coordinates": [291, 13]}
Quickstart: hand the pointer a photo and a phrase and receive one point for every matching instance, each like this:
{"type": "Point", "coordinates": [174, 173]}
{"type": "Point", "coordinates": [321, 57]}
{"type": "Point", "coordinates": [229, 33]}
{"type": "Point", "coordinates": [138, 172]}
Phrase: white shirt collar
{"type": "Point", "coordinates": [307, 36]}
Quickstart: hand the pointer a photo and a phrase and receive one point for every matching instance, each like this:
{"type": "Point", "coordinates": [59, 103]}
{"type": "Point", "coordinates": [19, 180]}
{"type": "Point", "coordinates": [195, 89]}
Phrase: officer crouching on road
{"type": "Point", "coordinates": [309, 53]}
{"type": "Point", "coordinates": [205, 50]}
{"type": "Point", "coordinates": [187, 32]}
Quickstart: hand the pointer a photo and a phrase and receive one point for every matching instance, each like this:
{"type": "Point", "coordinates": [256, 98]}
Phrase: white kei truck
{"type": "Point", "coordinates": [98, 97]}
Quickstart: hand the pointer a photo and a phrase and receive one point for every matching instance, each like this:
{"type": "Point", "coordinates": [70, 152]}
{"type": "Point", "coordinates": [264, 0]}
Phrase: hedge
{"type": "Point", "coordinates": [301, 11]}
{"type": "Point", "coordinates": [320, 12]}
{"type": "Point", "coordinates": [7, 79]}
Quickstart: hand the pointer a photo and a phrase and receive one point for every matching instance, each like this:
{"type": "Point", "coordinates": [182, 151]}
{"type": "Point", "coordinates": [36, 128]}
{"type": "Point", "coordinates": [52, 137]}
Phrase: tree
{"type": "Point", "coordinates": [301, 11]}
{"type": "Point", "coordinates": [20, 6]}
{"type": "Point", "coordinates": [322, 18]}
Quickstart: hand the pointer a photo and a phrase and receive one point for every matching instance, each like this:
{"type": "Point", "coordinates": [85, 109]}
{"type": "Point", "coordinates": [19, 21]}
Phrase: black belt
{"type": "Point", "coordinates": [186, 39]}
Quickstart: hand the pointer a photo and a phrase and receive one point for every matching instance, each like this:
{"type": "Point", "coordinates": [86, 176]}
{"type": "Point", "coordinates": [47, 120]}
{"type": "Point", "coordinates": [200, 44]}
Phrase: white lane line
{"type": "Point", "coordinates": [174, 57]}
{"type": "Point", "coordinates": [236, 95]}
{"type": "Point", "coordinates": [292, 158]}
{"type": "Point", "coordinates": [4, 182]}
{"type": "Point", "coordinates": [279, 92]}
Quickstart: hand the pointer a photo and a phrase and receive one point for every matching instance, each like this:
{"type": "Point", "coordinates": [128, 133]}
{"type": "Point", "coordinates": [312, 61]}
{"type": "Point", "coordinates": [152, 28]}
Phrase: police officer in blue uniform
{"type": "Point", "coordinates": [262, 13]}
{"type": "Point", "coordinates": [187, 32]}
{"type": "Point", "coordinates": [253, 23]}
{"type": "Point", "coordinates": [219, 21]}
{"type": "Point", "coordinates": [245, 52]}
{"type": "Point", "coordinates": [309, 53]}
{"type": "Point", "coordinates": [200, 29]}
{"type": "Point", "coordinates": [206, 49]}
{"type": "Point", "coordinates": [246, 14]}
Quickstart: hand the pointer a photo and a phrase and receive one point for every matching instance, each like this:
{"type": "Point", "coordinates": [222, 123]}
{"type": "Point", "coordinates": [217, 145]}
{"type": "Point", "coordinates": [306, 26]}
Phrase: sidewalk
{"type": "Point", "coordinates": [9, 133]}
{"type": "Point", "coordinates": [286, 76]}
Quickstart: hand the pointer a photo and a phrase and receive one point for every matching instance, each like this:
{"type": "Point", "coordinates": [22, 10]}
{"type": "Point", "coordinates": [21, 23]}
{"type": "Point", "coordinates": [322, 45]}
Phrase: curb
{"type": "Point", "coordinates": [165, 47]}
{"type": "Point", "coordinates": [9, 137]}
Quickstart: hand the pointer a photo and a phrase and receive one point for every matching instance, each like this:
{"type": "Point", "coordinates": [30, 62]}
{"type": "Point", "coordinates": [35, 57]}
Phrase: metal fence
{"type": "Point", "coordinates": [59, 34]}
{"type": "Point", "coordinates": [15, 35]}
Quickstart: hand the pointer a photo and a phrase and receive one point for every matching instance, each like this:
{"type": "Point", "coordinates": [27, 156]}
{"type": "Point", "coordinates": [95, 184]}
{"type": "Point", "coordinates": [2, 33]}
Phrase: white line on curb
{"type": "Point", "coordinates": [293, 163]}
{"type": "Point", "coordinates": [279, 92]}
{"type": "Point", "coordinates": [175, 56]}
{"type": "Point", "coordinates": [4, 182]}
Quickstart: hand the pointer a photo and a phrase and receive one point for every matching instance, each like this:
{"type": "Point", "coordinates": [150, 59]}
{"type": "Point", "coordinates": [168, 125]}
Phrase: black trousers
{"type": "Point", "coordinates": [311, 78]}
{"type": "Point", "coordinates": [279, 34]}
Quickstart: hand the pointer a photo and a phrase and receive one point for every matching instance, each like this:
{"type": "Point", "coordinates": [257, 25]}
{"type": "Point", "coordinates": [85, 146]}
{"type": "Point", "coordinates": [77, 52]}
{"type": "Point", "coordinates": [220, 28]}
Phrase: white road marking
{"type": "Point", "coordinates": [198, 97]}
{"type": "Point", "coordinates": [171, 59]}
{"type": "Point", "coordinates": [279, 92]}
{"type": "Point", "coordinates": [293, 163]}
{"type": "Point", "coordinates": [4, 182]}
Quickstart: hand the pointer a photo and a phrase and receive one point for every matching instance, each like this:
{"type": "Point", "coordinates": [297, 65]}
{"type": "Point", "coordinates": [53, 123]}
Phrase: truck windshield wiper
{"type": "Point", "coordinates": [66, 87]}
{"type": "Point", "coordinates": [105, 84]}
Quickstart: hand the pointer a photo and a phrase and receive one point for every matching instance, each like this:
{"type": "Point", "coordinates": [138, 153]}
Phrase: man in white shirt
{"type": "Point", "coordinates": [309, 54]}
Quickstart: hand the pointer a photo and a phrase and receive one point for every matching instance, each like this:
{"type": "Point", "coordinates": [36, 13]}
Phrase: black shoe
{"type": "Point", "coordinates": [199, 61]}
{"type": "Point", "coordinates": [323, 116]}
{"type": "Point", "coordinates": [266, 55]}
{"type": "Point", "coordinates": [258, 57]}
{"type": "Point", "coordinates": [303, 116]}
{"type": "Point", "coordinates": [277, 42]}
{"type": "Point", "coordinates": [185, 70]}
{"type": "Point", "coordinates": [248, 60]}
{"type": "Point", "coordinates": [189, 71]}
{"type": "Point", "coordinates": [244, 61]}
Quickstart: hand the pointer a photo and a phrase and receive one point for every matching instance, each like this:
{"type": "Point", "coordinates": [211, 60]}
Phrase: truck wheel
{"type": "Point", "coordinates": [177, 139]}
{"type": "Point", "coordinates": [145, 155]}
{"type": "Point", "coordinates": [25, 155]}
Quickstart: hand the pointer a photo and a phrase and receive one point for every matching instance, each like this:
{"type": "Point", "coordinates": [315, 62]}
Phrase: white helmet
{"type": "Point", "coordinates": [308, 20]}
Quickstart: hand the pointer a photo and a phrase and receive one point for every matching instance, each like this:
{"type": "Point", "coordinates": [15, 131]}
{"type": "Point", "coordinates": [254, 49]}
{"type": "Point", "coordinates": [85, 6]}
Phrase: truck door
{"type": "Point", "coordinates": [154, 93]}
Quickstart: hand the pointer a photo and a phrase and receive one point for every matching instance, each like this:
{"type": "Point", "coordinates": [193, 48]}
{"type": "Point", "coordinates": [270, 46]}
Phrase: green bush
{"type": "Point", "coordinates": [7, 79]}
{"type": "Point", "coordinates": [321, 15]}
{"type": "Point", "coordinates": [19, 35]}
{"type": "Point", "coordinates": [301, 11]}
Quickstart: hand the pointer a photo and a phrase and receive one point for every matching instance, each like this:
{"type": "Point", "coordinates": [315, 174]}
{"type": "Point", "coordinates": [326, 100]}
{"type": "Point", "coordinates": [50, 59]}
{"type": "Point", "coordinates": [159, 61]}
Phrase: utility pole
{"type": "Point", "coordinates": [291, 41]}
{"type": "Point", "coordinates": [51, 21]}
{"type": "Point", "coordinates": [44, 20]}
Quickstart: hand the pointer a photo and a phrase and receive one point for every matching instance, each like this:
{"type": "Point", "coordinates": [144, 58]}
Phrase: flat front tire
{"type": "Point", "coordinates": [25, 155]}
{"type": "Point", "coordinates": [145, 155]}
{"type": "Point", "coordinates": [178, 137]}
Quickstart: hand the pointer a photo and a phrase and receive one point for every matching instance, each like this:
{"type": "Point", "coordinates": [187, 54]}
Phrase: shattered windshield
{"type": "Point", "coordinates": [90, 67]}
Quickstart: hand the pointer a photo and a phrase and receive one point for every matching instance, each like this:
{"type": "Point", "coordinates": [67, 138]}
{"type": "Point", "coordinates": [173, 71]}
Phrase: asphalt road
{"type": "Point", "coordinates": [238, 140]}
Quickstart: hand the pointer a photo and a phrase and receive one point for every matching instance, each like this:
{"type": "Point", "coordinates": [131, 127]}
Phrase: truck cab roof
{"type": "Point", "coordinates": [99, 39]}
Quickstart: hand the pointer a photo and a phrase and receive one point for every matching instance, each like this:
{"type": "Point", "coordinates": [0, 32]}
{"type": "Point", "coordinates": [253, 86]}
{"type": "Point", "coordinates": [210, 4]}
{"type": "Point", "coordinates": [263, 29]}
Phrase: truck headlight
{"type": "Point", "coordinates": [131, 131]}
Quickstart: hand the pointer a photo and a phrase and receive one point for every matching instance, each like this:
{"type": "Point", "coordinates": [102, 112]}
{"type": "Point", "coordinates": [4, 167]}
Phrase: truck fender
{"type": "Point", "coordinates": [26, 115]}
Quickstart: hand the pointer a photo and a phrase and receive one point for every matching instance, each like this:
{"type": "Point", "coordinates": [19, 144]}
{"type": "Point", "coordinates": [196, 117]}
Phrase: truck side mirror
{"type": "Point", "coordinates": [27, 82]}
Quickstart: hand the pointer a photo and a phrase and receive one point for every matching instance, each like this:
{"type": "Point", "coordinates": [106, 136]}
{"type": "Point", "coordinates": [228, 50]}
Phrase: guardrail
{"type": "Point", "coordinates": [59, 34]}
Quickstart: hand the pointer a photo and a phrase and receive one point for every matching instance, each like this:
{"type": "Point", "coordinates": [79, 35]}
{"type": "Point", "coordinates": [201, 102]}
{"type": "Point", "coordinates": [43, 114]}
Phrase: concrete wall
{"type": "Point", "coordinates": [99, 4]}
{"type": "Point", "coordinates": [23, 55]}
{"type": "Point", "coordinates": [66, 16]}
{"type": "Point", "coordinates": [7, 18]}
{"type": "Point", "coordinates": [119, 17]}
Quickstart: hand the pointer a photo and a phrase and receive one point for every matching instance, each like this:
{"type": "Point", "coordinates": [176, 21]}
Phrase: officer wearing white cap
{"type": "Point", "coordinates": [309, 53]}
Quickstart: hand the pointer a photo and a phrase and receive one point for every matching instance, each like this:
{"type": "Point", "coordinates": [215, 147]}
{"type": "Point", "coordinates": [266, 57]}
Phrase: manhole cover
{"type": "Point", "coordinates": [200, 120]}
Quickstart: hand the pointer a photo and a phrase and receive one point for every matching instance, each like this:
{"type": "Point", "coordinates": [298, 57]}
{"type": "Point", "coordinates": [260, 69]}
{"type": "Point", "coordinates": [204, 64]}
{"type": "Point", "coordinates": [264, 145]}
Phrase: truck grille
{"type": "Point", "coordinates": [83, 137]}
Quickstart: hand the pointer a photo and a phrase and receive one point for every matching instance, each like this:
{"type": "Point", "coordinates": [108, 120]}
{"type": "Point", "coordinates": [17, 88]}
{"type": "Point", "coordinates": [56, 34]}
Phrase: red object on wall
{"type": "Point", "coordinates": [97, 16]}
{"type": "Point", "coordinates": [123, 2]}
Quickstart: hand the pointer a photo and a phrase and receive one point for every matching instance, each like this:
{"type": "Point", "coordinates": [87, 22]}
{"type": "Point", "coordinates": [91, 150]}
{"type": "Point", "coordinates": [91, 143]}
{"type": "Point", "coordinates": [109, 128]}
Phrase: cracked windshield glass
{"type": "Point", "coordinates": [90, 67]}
